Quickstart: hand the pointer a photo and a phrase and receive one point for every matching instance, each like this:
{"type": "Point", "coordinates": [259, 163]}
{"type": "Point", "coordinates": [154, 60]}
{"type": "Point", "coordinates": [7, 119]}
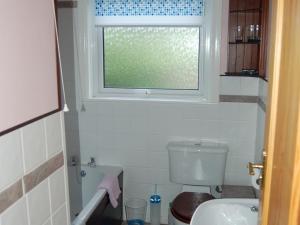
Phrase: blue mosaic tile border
{"type": "Point", "coordinates": [149, 7]}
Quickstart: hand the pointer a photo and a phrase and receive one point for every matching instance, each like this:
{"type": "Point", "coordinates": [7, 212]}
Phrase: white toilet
{"type": "Point", "coordinates": [200, 167]}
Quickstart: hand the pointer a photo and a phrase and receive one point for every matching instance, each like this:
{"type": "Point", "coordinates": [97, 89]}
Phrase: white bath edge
{"type": "Point", "coordinates": [98, 195]}
{"type": "Point", "coordinates": [89, 208]}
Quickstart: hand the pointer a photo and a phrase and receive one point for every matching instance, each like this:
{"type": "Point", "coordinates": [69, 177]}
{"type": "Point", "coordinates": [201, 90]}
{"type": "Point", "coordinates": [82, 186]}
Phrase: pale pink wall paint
{"type": "Point", "coordinates": [28, 80]}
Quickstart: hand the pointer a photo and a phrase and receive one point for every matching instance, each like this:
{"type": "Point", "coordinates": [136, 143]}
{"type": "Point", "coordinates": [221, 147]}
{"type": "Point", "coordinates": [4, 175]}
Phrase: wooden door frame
{"type": "Point", "coordinates": [284, 18]}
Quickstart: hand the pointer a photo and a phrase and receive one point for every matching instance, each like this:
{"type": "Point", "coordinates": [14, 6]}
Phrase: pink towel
{"type": "Point", "coordinates": [111, 185]}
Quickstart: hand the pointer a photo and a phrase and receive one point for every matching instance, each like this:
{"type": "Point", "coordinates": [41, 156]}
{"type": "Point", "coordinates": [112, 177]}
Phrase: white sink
{"type": "Point", "coordinates": [228, 211]}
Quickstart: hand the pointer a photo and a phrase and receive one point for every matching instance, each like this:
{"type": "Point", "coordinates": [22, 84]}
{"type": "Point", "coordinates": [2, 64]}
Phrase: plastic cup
{"type": "Point", "coordinates": [135, 209]}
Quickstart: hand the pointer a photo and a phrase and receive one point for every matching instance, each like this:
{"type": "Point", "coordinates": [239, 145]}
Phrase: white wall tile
{"type": "Point", "coordinates": [60, 218]}
{"type": "Point", "coordinates": [261, 117]}
{"type": "Point", "coordinates": [230, 111]}
{"type": "Point", "coordinates": [57, 189]}
{"type": "Point", "coordinates": [158, 159]}
{"type": "Point", "coordinates": [233, 129]}
{"type": "Point", "coordinates": [238, 178]}
{"type": "Point", "coordinates": [54, 134]}
{"type": "Point", "coordinates": [99, 108]}
{"type": "Point", "coordinates": [88, 140]}
{"type": "Point", "coordinates": [239, 147]}
{"type": "Point", "coordinates": [263, 90]}
{"type": "Point", "coordinates": [137, 133]}
{"type": "Point", "coordinates": [16, 214]}
{"type": "Point", "coordinates": [247, 112]}
{"type": "Point", "coordinates": [38, 204]}
{"type": "Point", "coordinates": [157, 142]}
{"type": "Point", "coordinates": [198, 129]}
{"type": "Point", "coordinates": [34, 145]}
{"type": "Point", "coordinates": [104, 123]}
{"type": "Point", "coordinates": [201, 111]}
{"type": "Point", "coordinates": [238, 164]}
{"type": "Point", "coordinates": [230, 85]}
{"type": "Point", "coordinates": [48, 222]}
{"type": "Point", "coordinates": [11, 162]}
{"type": "Point", "coordinates": [88, 122]}
{"type": "Point", "coordinates": [146, 175]}
{"type": "Point", "coordinates": [260, 134]}
{"type": "Point", "coordinates": [129, 141]}
{"type": "Point", "coordinates": [239, 86]}
{"type": "Point", "coordinates": [232, 121]}
{"type": "Point", "coordinates": [127, 109]}
{"type": "Point", "coordinates": [249, 86]}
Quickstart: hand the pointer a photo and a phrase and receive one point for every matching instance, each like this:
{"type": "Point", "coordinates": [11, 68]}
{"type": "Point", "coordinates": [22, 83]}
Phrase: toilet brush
{"type": "Point", "coordinates": [155, 205]}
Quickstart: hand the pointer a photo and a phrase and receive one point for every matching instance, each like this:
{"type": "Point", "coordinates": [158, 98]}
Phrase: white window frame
{"type": "Point", "coordinates": [210, 25]}
{"type": "Point", "coordinates": [98, 84]}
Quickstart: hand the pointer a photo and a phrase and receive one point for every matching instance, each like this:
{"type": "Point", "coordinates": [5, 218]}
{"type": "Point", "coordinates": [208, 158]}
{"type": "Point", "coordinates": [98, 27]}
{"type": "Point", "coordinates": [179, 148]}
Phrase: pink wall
{"type": "Point", "coordinates": [28, 80]}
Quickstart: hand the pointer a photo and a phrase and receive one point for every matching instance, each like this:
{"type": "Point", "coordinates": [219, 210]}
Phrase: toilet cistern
{"type": "Point", "coordinates": [200, 168]}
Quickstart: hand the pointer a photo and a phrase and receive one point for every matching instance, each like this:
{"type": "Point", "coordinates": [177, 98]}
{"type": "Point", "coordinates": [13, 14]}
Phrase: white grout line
{"type": "Point", "coordinates": [50, 199]}
{"type": "Point", "coordinates": [23, 159]}
{"type": "Point", "coordinates": [46, 138]}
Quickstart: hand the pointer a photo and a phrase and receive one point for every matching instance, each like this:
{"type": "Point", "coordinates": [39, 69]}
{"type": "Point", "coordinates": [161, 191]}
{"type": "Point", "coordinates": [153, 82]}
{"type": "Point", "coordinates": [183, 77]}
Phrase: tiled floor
{"type": "Point", "coordinates": [232, 191]}
{"type": "Point", "coordinates": [124, 223]}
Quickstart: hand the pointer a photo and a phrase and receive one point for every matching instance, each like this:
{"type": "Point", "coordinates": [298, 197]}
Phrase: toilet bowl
{"type": "Point", "coordinates": [200, 168]}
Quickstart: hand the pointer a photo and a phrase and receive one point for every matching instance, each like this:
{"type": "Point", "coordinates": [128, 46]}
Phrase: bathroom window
{"type": "Point", "coordinates": [161, 50]}
{"type": "Point", "coordinates": [149, 60]}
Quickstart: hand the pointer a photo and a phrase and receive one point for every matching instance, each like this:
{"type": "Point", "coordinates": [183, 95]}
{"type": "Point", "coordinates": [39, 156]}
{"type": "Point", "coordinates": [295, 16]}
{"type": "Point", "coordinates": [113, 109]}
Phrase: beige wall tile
{"type": "Point", "coordinates": [53, 134]}
{"type": "Point", "coordinates": [34, 145]}
{"type": "Point", "coordinates": [39, 204]}
{"type": "Point", "coordinates": [60, 217]}
{"type": "Point", "coordinates": [11, 163]}
{"type": "Point", "coordinates": [57, 189]}
{"type": "Point", "coordinates": [23, 155]}
{"type": "Point", "coordinates": [16, 215]}
{"type": "Point", "coordinates": [47, 222]}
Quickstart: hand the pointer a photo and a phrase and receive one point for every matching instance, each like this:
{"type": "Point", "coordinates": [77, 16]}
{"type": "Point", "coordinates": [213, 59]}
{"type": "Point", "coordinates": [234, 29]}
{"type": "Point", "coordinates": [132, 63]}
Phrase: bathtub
{"type": "Point", "coordinates": [95, 202]}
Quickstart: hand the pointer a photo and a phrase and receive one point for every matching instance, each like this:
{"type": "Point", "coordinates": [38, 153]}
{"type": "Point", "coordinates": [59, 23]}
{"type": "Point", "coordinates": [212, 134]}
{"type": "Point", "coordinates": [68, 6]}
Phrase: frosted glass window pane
{"type": "Point", "coordinates": [151, 57]}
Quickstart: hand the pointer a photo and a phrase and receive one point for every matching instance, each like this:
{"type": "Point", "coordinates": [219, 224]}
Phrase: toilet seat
{"type": "Point", "coordinates": [185, 204]}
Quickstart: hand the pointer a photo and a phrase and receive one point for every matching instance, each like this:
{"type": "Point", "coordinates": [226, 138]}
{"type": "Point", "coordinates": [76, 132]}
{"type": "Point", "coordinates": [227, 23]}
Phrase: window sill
{"type": "Point", "coordinates": [152, 98]}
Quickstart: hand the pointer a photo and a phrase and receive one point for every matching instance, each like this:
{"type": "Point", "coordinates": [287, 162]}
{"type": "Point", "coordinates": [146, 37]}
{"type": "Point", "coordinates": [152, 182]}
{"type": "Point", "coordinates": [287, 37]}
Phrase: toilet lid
{"type": "Point", "coordinates": [185, 204]}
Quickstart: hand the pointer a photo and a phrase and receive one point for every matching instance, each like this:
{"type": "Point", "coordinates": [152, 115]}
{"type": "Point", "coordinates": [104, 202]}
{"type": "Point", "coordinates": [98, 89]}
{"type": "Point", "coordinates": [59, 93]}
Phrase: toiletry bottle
{"type": "Point", "coordinates": [257, 29]}
{"type": "Point", "coordinates": [251, 35]}
{"type": "Point", "coordinates": [155, 204]}
{"type": "Point", "coordinates": [239, 34]}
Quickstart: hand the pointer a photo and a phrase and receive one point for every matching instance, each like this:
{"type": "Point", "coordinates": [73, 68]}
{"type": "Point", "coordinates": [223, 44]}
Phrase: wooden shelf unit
{"type": "Point", "coordinates": [247, 54]}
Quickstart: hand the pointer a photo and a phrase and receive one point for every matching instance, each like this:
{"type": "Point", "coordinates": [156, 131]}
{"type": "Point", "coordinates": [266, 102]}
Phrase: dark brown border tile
{"type": "Point", "coordinates": [66, 4]}
{"type": "Point", "coordinates": [262, 104]}
{"type": "Point", "coordinates": [34, 178]}
{"type": "Point", "coordinates": [239, 98]}
{"type": "Point", "coordinates": [12, 194]}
